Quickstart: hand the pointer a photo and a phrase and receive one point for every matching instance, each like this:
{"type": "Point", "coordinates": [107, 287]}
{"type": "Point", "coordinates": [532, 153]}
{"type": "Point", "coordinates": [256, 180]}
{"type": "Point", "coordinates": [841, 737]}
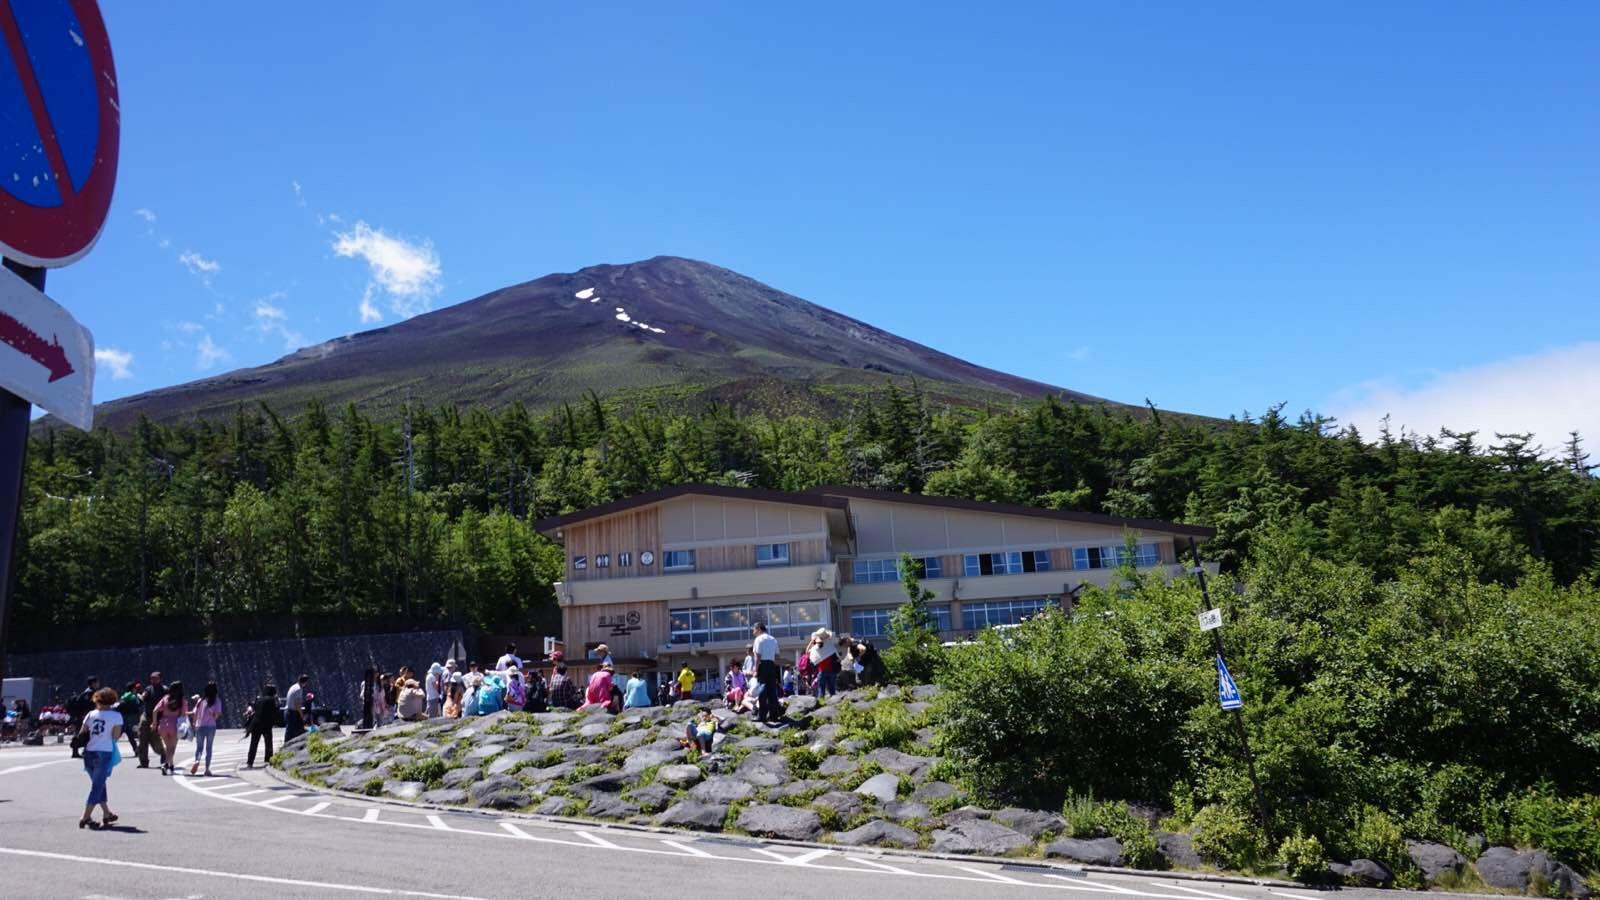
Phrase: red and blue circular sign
{"type": "Point", "coordinates": [59, 128]}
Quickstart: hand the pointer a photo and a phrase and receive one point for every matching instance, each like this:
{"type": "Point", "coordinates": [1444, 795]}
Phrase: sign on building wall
{"type": "Point", "coordinates": [621, 624]}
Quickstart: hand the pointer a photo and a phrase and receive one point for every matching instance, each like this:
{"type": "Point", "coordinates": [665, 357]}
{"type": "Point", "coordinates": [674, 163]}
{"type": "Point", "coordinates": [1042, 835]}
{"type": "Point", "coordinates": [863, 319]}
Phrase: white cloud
{"type": "Point", "coordinates": [408, 272]}
{"type": "Point", "coordinates": [1548, 393]}
{"type": "Point", "coordinates": [118, 362]}
{"type": "Point", "coordinates": [190, 327]}
{"type": "Point", "coordinates": [209, 354]}
{"type": "Point", "coordinates": [369, 313]}
{"type": "Point", "coordinates": [272, 319]}
{"type": "Point", "coordinates": [145, 214]}
{"type": "Point", "coordinates": [266, 312]}
{"type": "Point", "coordinates": [198, 264]}
{"type": "Point", "coordinates": [299, 198]}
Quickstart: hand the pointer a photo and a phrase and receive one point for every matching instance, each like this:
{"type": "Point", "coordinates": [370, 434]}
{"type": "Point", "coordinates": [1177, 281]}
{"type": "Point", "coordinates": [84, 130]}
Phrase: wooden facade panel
{"type": "Point", "coordinates": [1061, 559]}
{"type": "Point", "coordinates": [847, 571]}
{"type": "Point", "coordinates": [630, 630]}
{"type": "Point", "coordinates": [632, 533]}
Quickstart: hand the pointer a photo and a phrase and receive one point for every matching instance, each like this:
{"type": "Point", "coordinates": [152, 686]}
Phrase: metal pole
{"type": "Point", "coordinates": [16, 414]}
{"type": "Point", "coordinates": [1238, 714]}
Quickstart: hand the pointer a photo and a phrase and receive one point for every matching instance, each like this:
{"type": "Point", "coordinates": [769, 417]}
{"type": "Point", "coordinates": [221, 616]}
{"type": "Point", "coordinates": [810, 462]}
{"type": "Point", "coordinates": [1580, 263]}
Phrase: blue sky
{"type": "Point", "coordinates": [1358, 208]}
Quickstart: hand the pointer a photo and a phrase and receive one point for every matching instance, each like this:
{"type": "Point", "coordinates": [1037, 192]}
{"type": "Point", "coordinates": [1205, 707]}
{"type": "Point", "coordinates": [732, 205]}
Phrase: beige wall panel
{"type": "Point", "coordinates": [1029, 534]}
{"type": "Point", "coordinates": [707, 519]}
{"type": "Point", "coordinates": [919, 530]}
{"type": "Point", "coordinates": [772, 520]}
{"type": "Point", "coordinates": [677, 520]}
{"type": "Point", "coordinates": [873, 527]}
{"type": "Point", "coordinates": [807, 520]}
{"type": "Point", "coordinates": [971, 530]}
{"type": "Point", "coordinates": [740, 517]}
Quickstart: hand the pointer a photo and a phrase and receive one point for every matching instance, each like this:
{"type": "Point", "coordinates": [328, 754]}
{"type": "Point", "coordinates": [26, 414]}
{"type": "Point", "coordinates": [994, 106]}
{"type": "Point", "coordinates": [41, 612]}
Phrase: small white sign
{"type": "Point", "coordinates": [1211, 618]}
{"type": "Point", "coordinates": [46, 357]}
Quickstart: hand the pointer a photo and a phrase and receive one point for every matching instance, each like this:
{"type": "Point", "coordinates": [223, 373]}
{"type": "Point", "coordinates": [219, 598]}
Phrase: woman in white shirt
{"type": "Point", "coordinates": [102, 727]}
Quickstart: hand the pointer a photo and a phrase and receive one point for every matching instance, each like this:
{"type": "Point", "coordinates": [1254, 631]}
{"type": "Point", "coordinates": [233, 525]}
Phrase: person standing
{"type": "Point", "coordinates": [170, 710]}
{"type": "Point", "coordinates": [433, 689]}
{"type": "Point", "coordinates": [259, 720]}
{"type": "Point", "coordinates": [153, 694]}
{"type": "Point", "coordinates": [474, 682]}
{"type": "Point", "coordinates": [79, 706]}
{"type": "Point", "coordinates": [131, 710]}
{"type": "Point", "coordinates": [367, 692]}
{"type": "Point", "coordinates": [509, 659]}
{"type": "Point", "coordinates": [206, 715]}
{"type": "Point", "coordinates": [764, 651]}
{"type": "Point", "coordinates": [563, 690]}
{"type": "Point", "coordinates": [101, 727]}
{"type": "Point", "coordinates": [294, 709]}
{"type": "Point", "coordinates": [685, 683]}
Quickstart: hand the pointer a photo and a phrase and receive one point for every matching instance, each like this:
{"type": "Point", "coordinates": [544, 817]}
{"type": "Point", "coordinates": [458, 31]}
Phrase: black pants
{"type": "Point", "coordinates": [294, 725]}
{"type": "Point", "coordinates": [133, 744]}
{"type": "Point", "coordinates": [256, 736]}
{"type": "Point", "coordinates": [147, 734]}
{"type": "Point", "coordinates": [768, 709]}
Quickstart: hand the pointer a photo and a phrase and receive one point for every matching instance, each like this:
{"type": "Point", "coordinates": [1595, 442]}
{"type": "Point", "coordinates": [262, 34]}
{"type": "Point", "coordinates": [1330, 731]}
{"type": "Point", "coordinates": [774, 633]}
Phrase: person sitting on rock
{"type": "Point", "coordinates": [701, 732]}
{"type": "Point", "coordinates": [598, 695]}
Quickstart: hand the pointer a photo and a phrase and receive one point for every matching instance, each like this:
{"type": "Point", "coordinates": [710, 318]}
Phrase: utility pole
{"type": "Point", "coordinates": [1238, 712]}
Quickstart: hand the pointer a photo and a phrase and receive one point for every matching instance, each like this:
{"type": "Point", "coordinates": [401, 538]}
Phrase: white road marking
{"type": "Point", "coordinates": [806, 858]}
{"type": "Point", "coordinates": [438, 823]}
{"type": "Point", "coordinates": [35, 766]}
{"type": "Point", "coordinates": [596, 840]}
{"type": "Point", "coordinates": [370, 815]}
{"type": "Point", "coordinates": [692, 851]}
{"type": "Point", "coordinates": [240, 876]}
{"type": "Point", "coordinates": [987, 874]}
{"type": "Point", "coordinates": [315, 809]}
{"type": "Point", "coordinates": [251, 793]}
{"type": "Point", "coordinates": [878, 865]}
{"type": "Point", "coordinates": [280, 798]}
{"type": "Point", "coordinates": [1291, 896]}
{"type": "Point", "coordinates": [775, 855]}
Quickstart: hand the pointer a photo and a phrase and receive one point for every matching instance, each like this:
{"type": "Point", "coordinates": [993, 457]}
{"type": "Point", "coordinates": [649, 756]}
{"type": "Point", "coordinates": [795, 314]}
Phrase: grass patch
{"type": "Point", "coordinates": [320, 750]}
{"type": "Point", "coordinates": [884, 724]}
{"type": "Point", "coordinates": [373, 787]}
{"type": "Point", "coordinates": [803, 762]}
{"type": "Point", "coordinates": [428, 771]}
{"type": "Point", "coordinates": [849, 781]}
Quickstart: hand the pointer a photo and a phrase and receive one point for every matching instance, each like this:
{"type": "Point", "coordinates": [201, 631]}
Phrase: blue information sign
{"type": "Point", "coordinates": [1227, 690]}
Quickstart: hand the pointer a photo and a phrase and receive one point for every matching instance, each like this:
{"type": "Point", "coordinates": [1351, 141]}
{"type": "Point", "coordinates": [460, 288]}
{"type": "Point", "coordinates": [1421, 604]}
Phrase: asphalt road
{"type": "Point", "coordinates": [243, 834]}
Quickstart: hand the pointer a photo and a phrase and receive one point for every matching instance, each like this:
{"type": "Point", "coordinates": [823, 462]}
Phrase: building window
{"type": "Point", "coordinates": [797, 618]}
{"type": "Point", "coordinates": [772, 554]}
{"type": "Point", "coordinates": [677, 561]}
{"type": "Point", "coordinates": [875, 571]}
{"type": "Point", "coordinates": [870, 623]}
{"type": "Point", "coordinates": [1144, 555]}
{"type": "Point", "coordinates": [931, 567]}
{"type": "Point", "coordinates": [1009, 562]}
{"type": "Point", "coordinates": [978, 616]}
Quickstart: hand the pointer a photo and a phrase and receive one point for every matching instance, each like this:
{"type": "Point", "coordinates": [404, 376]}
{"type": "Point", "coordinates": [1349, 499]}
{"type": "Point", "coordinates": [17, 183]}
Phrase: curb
{"type": "Point", "coordinates": [1070, 870]}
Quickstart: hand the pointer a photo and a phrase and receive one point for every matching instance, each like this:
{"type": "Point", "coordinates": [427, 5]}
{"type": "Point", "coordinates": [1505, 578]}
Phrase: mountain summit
{"type": "Point", "coordinates": [682, 328]}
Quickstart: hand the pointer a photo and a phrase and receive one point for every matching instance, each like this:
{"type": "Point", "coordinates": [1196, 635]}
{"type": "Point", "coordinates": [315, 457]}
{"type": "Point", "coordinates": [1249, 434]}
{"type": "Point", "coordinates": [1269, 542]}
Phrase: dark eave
{"type": "Point", "coordinates": [1009, 509]}
{"type": "Point", "coordinates": [759, 495]}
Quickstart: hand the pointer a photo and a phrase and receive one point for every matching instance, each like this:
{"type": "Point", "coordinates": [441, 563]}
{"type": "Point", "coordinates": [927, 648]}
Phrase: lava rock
{"type": "Point", "coordinates": [550, 773]}
{"type": "Point", "coordinates": [759, 744]}
{"type": "Point", "coordinates": [722, 790]}
{"type": "Point", "coordinates": [693, 814]}
{"type": "Point", "coordinates": [1089, 851]}
{"type": "Point", "coordinates": [904, 763]}
{"type": "Point", "coordinates": [962, 814]}
{"type": "Point", "coordinates": [606, 806]}
{"type": "Point", "coordinates": [935, 791]}
{"type": "Point", "coordinates": [797, 788]}
{"type": "Point", "coordinates": [445, 797]}
{"type": "Point", "coordinates": [846, 806]}
{"type": "Point", "coordinates": [836, 765]}
{"type": "Point", "coordinates": [586, 756]}
{"type": "Point", "coordinates": [404, 790]}
{"type": "Point", "coordinates": [1508, 869]}
{"type": "Point", "coordinates": [505, 762]}
{"type": "Point", "coordinates": [1435, 860]}
{"type": "Point", "coordinates": [498, 792]}
{"type": "Point", "coordinates": [882, 788]}
{"type": "Point", "coordinates": [926, 691]}
{"type": "Point", "coordinates": [639, 760]}
{"type": "Point", "coordinates": [764, 770]}
{"type": "Point", "coordinates": [679, 776]}
{"type": "Point", "coordinates": [800, 703]}
{"type": "Point", "coordinates": [1362, 873]}
{"type": "Point", "coordinates": [978, 836]}
{"type": "Point", "coordinates": [594, 730]}
{"type": "Point", "coordinates": [356, 757]}
{"type": "Point", "coordinates": [906, 811]}
{"type": "Point", "coordinates": [628, 740]}
{"type": "Point", "coordinates": [652, 798]}
{"type": "Point", "coordinates": [877, 833]}
{"type": "Point", "coordinates": [824, 713]}
{"type": "Point", "coordinates": [1178, 850]}
{"type": "Point", "coordinates": [485, 751]}
{"type": "Point", "coordinates": [553, 806]}
{"type": "Point", "coordinates": [610, 782]}
{"type": "Point", "coordinates": [775, 820]}
{"type": "Point", "coordinates": [1030, 822]}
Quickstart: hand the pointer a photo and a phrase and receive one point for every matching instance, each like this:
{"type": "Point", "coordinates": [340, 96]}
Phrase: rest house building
{"type": "Point", "coordinates": [681, 574]}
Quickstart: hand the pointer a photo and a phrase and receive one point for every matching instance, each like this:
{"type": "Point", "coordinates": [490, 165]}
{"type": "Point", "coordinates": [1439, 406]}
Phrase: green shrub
{"type": "Point", "coordinates": [1376, 835]}
{"type": "Point", "coordinates": [884, 724]}
{"type": "Point", "coordinates": [1228, 838]}
{"type": "Point", "coordinates": [1133, 833]}
{"type": "Point", "coordinates": [852, 780]}
{"type": "Point", "coordinates": [320, 750]}
{"type": "Point", "coordinates": [1081, 815]}
{"type": "Point", "coordinates": [373, 787]}
{"type": "Point", "coordinates": [428, 771]}
{"type": "Point", "coordinates": [1567, 827]}
{"type": "Point", "coordinates": [1303, 858]}
{"type": "Point", "coordinates": [803, 762]}
{"type": "Point", "coordinates": [550, 758]}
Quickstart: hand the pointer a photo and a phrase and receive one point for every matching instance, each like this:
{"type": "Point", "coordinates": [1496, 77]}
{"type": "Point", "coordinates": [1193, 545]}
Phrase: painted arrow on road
{"type": "Point", "coordinates": [52, 355]}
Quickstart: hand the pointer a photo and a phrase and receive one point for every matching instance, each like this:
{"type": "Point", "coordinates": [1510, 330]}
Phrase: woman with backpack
{"type": "Point", "coordinates": [259, 719]}
{"type": "Point", "coordinates": [172, 709]}
{"type": "Point", "coordinates": [206, 714]}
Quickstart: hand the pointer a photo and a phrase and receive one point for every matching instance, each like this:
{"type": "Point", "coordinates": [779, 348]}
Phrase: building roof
{"type": "Point", "coordinates": [760, 495]}
{"type": "Point", "coordinates": [838, 497]}
{"type": "Point", "coordinates": [1011, 509]}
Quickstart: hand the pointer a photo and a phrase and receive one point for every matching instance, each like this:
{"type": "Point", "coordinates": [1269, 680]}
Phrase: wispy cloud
{"type": "Point", "coordinates": [407, 272]}
{"type": "Point", "coordinates": [272, 319]}
{"type": "Point", "coordinates": [117, 362]}
{"type": "Point", "coordinates": [369, 312]}
{"type": "Point", "coordinates": [189, 327]}
{"type": "Point", "coordinates": [1079, 353]}
{"type": "Point", "coordinates": [145, 214]}
{"type": "Point", "coordinates": [299, 195]}
{"type": "Point", "coordinates": [208, 354]}
{"type": "Point", "coordinates": [198, 264]}
{"type": "Point", "coordinates": [1548, 393]}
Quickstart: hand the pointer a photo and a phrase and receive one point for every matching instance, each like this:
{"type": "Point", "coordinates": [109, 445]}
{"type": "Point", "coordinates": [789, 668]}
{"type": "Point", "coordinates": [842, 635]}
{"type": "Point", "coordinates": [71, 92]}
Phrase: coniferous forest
{"type": "Point", "coordinates": [326, 511]}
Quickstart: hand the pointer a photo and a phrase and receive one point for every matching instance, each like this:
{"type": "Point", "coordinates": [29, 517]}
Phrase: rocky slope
{"type": "Point", "coordinates": [859, 769]}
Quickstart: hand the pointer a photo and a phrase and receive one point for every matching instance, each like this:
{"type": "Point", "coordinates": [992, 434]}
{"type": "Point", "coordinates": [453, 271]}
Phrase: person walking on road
{"type": "Point", "coordinates": [131, 710]}
{"type": "Point", "coordinates": [101, 727]}
{"type": "Point", "coordinates": [153, 694]}
{"type": "Point", "coordinates": [79, 706]}
{"type": "Point", "coordinates": [206, 714]}
{"type": "Point", "coordinates": [259, 720]}
{"type": "Point", "coordinates": [764, 651]}
{"type": "Point", "coordinates": [170, 710]}
{"type": "Point", "coordinates": [294, 709]}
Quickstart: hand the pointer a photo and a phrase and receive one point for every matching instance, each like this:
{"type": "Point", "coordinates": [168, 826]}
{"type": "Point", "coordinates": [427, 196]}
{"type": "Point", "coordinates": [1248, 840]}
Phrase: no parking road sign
{"type": "Point", "coordinates": [59, 129]}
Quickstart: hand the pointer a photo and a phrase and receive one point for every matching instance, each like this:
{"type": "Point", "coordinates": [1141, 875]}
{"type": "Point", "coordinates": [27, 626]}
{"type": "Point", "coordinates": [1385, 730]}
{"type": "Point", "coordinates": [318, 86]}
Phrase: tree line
{"type": "Point", "coordinates": [430, 516]}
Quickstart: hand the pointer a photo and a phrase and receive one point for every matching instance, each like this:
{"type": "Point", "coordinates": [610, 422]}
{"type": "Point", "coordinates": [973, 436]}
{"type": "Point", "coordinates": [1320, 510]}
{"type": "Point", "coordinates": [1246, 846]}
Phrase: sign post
{"type": "Point", "coordinates": [60, 128]}
{"type": "Point", "coordinates": [1228, 695]}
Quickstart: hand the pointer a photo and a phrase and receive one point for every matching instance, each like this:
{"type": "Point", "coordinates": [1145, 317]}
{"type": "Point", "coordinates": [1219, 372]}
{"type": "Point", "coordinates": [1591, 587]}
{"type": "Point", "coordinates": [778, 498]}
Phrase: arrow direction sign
{"type": "Point", "coordinates": [46, 357]}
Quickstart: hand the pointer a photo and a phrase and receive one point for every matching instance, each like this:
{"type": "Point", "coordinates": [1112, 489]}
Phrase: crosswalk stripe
{"type": "Point", "coordinates": [878, 865]}
{"type": "Point", "coordinates": [596, 840]}
{"type": "Point", "coordinates": [987, 874]}
{"type": "Point", "coordinates": [316, 809]}
{"type": "Point", "coordinates": [805, 858]}
{"type": "Point", "coordinates": [692, 851]}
